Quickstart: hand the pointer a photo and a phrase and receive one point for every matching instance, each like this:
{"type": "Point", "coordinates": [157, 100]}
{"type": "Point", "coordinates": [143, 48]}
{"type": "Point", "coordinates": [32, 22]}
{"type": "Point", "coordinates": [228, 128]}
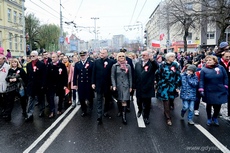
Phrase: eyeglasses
{"type": "Point", "coordinates": [121, 56]}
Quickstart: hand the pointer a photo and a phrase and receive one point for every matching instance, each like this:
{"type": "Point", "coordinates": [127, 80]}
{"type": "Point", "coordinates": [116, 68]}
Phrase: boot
{"type": "Point", "coordinates": [73, 104]}
{"type": "Point", "coordinates": [124, 115]}
{"type": "Point", "coordinates": [119, 106]}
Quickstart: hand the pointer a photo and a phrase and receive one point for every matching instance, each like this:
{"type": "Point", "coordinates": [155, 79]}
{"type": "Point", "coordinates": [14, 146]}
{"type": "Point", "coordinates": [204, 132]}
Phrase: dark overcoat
{"type": "Point", "coordinates": [101, 75]}
{"type": "Point", "coordinates": [214, 82]}
{"type": "Point", "coordinates": [36, 78]}
{"type": "Point", "coordinates": [57, 78]}
{"type": "Point", "coordinates": [83, 79]}
{"type": "Point", "coordinates": [144, 77]}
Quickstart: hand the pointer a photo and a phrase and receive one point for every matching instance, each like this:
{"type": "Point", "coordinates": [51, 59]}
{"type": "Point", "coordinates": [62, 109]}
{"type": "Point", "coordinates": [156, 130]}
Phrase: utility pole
{"type": "Point", "coordinates": [95, 30]}
{"type": "Point", "coordinates": [61, 39]}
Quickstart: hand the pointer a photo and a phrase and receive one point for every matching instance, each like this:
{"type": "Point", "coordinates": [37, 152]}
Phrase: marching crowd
{"type": "Point", "coordinates": [39, 79]}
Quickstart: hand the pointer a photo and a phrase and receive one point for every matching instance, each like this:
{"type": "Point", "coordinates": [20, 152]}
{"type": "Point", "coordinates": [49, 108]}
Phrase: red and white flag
{"type": "Point", "coordinates": [162, 36]}
{"type": "Point", "coordinates": [156, 44]}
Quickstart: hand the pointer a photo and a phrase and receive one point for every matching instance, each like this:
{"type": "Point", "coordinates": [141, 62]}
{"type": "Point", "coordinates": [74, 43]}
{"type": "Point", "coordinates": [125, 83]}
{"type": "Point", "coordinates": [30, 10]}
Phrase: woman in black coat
{"type": "Point", "coordinates": [16, 79]}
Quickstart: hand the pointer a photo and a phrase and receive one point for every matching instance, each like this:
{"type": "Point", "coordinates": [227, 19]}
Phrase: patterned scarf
{"type": "Point", "coordinates": [122, 65]}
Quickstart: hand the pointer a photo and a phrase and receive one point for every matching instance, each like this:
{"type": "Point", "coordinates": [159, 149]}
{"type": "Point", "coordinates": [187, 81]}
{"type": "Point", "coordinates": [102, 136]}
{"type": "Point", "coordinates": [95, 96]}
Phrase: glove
{"type": "Point", "coordinates": [202, 93]}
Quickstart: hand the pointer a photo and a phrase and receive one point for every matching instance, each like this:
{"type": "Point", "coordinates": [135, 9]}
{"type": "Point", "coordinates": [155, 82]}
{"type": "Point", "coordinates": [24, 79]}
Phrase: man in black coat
{"type": "Point", "coordinates": [82, 80]}
{"type": "Point", "coordinates": [101, 82]}
{"type": "Point", "coordinates": [144, 76]}
{"type": "Point", "coordinates": [36, 74]}
{"type": "Point", "coordinates": [57, 80]}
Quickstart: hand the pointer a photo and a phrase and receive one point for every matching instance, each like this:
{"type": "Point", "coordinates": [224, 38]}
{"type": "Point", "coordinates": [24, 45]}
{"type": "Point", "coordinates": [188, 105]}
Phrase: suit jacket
{"type": "Point", "coordinates": [144, 77]}
{"type": "Point", "coordinates": [101, 75]}
{"type": "Point", "coordinates": [36, 78]}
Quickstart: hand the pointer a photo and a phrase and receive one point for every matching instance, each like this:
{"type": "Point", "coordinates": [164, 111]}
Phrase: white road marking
{"type": "Point", "coordinates": [47, 130]}
{"type": "Point", "coordinates": [140, 120]}
{"type": "Point", "coordinates": [212, 139]}
{"type": "Point", "coordinates": [53, 136]}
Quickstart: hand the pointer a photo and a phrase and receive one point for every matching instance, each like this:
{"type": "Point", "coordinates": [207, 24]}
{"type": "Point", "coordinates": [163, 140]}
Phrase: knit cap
{"type": "Point", "coordinates": [192, 68]}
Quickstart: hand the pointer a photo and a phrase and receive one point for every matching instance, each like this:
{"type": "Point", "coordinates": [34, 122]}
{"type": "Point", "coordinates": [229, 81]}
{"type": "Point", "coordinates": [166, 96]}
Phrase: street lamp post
{"type": "Point", "coordinates": [95, 29]}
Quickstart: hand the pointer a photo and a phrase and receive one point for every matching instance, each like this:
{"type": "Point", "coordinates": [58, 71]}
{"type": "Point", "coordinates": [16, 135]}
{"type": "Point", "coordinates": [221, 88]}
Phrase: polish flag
{"type": "Point", "coordinates": [156, 44]}
{"type": "Point", "coordinates": [162, 36]}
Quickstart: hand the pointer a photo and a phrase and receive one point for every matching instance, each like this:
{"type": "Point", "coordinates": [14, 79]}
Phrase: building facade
{"type": "Point", "coordinates": [11, 26]}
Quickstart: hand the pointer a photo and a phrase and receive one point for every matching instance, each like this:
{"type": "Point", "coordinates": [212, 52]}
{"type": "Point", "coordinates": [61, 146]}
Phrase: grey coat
{"type": "Point", "coordinates": [122, 81]}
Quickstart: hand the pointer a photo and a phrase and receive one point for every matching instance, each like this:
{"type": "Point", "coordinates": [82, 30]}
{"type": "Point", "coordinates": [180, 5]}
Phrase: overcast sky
{"type": "Point", "coordinates": [114, 15]}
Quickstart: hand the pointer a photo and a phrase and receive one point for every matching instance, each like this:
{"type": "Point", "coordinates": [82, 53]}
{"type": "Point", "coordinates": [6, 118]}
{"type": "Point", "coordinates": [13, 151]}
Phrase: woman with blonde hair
{"type": "Point", "coordinates": [213, 87]}
{"type": "Point", "coordinates": [121, 77]}
{"type": "Point", "coordinates": [16, 79]}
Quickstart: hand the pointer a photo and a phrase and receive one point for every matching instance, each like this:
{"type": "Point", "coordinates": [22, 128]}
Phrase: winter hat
{"type": "Point", "coordinates": [1, 51]}
{"type": "Point", "coordinates": [192, 68]}
{"type": "Point", "coordinates": [223, 44]}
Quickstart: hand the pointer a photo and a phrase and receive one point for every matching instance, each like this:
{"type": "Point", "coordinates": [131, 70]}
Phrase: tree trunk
{"type": "Point", "coordinates": [222, 34]}
{"type": "Point", "coordinates": [185, 39]}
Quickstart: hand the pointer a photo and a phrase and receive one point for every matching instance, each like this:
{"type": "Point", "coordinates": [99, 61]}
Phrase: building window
{"type": "Point", "coordinates": [9, 14]}
{"type": "Point", "coordinates": [189, 36]}
{"type": "Point", "coordinates": [211, 35]}
{"type": "Point", "coordinates": [21, 38]}
{"type": "Point", "coordinates": [20, 18]}
{"type": "Point", "coordinates": [16, 41]}
{"type": "Point", "coordinates": [15, 17]}
{"type": "Point", "coordinates": [188, 6]}
{"type": "Point", "coordinates": [10, 40]}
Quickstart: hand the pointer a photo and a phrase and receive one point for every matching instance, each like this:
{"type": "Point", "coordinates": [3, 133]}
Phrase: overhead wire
{"type": "Point", "coordinates": [44, 9]}
{"type": "Point", "coordinates": [141, 10]}
{"type": "Point", "coordinates": [50, 8]}
{"type": "Point", "coordinates": [78, 10]}
{"type": "Point", "coordinates": [133, 12]}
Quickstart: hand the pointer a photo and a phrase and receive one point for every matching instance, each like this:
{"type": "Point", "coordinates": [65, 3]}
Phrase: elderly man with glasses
{"type": "Point", "coordinates": [36, 74]}
{"type": "Point", "coordinates": [144, 76]}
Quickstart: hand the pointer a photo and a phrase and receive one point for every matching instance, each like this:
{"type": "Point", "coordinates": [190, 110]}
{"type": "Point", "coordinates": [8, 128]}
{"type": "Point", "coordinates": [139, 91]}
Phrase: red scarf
{"type": "Point", "coordinates": [225, 62]}
{"type": "Point", "coordinates": [34, 62]}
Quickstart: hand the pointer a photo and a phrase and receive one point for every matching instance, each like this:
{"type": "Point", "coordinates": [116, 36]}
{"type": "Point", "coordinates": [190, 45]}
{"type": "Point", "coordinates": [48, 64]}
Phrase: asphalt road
{"type": "Point", "coordinates": [71, 133]}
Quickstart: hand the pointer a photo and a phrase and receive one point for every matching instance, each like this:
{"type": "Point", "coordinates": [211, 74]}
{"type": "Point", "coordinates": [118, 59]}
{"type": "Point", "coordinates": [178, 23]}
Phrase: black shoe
{"type": "Point", "coordinates": [29, 119]}
{"type": "Point", "coordinates": [41, 114]}
{"type": "Point", "coordinates": [146, 121]}
{"type": "Point", "coordinates": [138, 114]}
{"type": "Point", "coordinates": [83, 114]}
{"type": "Point", "coordinates": [107, 115]}
{"type": "Point", "coordinates": [99, 121]}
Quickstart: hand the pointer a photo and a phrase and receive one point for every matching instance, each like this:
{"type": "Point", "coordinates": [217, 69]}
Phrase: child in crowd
{"type": "Point", "coordinates": [188, 92]}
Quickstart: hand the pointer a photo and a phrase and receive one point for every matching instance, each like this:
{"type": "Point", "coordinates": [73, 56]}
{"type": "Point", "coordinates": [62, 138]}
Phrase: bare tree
{"type": "Point", "coordinates": [218, 12]}
{"type": "Point", "coordinates": [183, 15]}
